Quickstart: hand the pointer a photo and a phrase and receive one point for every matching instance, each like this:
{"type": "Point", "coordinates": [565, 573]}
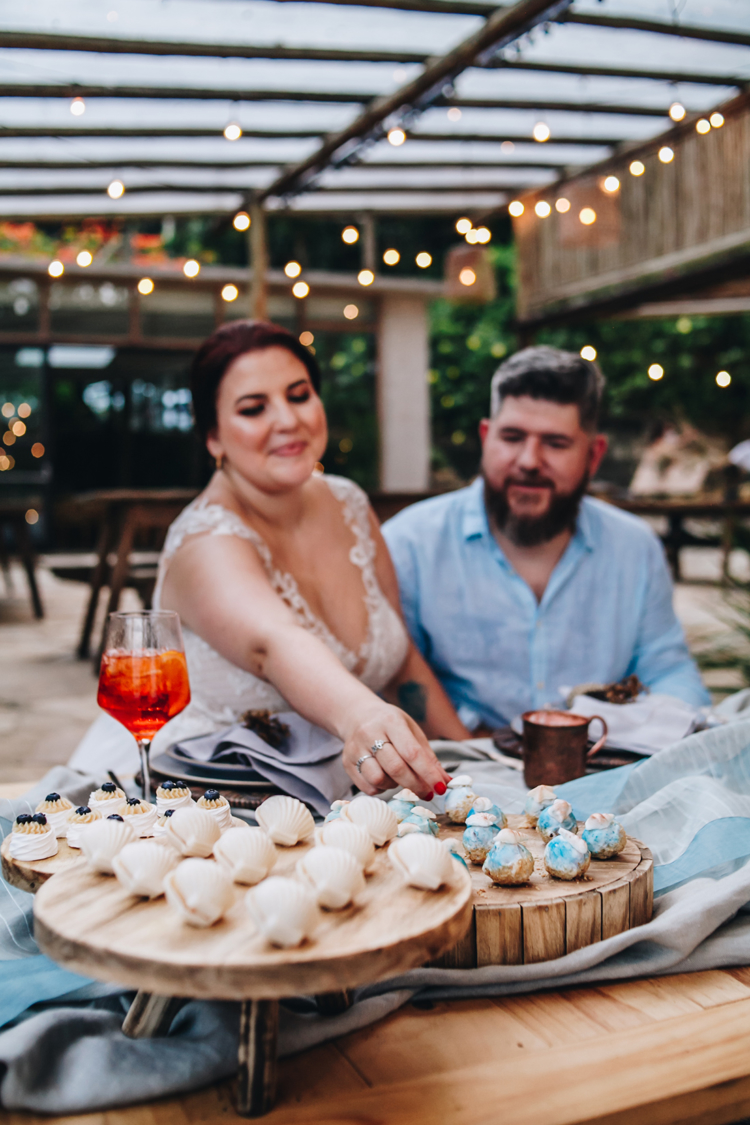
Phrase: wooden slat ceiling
{"type": "Point", "coordinates": [316, 86]}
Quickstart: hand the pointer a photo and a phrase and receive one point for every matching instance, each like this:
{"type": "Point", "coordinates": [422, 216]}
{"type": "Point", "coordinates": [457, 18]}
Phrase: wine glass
{"type": "Point", "coordinates": [143, 682]}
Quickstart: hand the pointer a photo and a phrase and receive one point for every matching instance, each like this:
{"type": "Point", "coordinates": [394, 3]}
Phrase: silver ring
{"type": "Point", "coordinates": [361, 760]}
{"type": "Point", "coordinates": [378, 745]}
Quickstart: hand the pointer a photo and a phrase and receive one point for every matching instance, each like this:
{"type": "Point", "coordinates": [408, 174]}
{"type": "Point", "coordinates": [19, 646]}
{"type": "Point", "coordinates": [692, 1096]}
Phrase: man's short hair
{"type": "Point", "coordinates": [552, 374]}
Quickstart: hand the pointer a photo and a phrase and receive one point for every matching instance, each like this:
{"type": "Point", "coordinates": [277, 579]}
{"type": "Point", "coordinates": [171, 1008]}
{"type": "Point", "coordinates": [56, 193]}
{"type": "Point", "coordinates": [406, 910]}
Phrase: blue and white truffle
{"type": "Point", "coordinates": [403, 804]}
{"type": "Point", "coordinates": [459, 799]}
{"type": "Point", "coordinates": [604, 837]}
{"type": "Point", "coordinates": [508, 862]}
{"type": "Point", "coordinates": [485, 805]}
{"type": "Point", "coordinates": [536, 801]}
{"type": "Point", "coordinates": [481, 830]}
{"type": "Point", "coordinates": [566, 856]}
{"type": "Point", "coordinates": [558, 815]}
{"type": "Point", "coordinates": [452, 847]}
{"type": "Point", "coordinates": [420, 820]}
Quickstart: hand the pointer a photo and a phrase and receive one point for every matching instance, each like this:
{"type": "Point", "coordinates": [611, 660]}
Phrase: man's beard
{"type": "Point", "coordinates": [530, 531]}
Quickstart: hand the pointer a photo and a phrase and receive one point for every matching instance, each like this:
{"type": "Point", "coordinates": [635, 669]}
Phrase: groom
{"type": "Point", "coordinates": [521, 585]}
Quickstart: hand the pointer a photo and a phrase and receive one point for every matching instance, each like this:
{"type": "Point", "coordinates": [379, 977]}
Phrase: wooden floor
{"type": "Point", "coordinates": [649, 1052]}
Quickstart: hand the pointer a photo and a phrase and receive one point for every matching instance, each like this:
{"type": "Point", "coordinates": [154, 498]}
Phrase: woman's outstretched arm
{"type": "Point", "coordinates": [218, 586]}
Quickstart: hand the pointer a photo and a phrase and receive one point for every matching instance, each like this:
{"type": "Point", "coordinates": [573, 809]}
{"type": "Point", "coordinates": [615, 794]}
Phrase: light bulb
{"type": "Point", "coordinates": [191, 268]}
{"type": "Point", "coordinates": [676, 111]}
{"type": "Point", "coordinates": [462, 225]}
{"type": "Point", "coordinates": [655, 372]}
{"type": "Point", "coordinates": [666, 154]}
{"type": "Point", "coordinates": [637, 168]}
{"type": "Point", "coordinates": [233, 132]}
{"type": "Point", "coordinates": [587, 352]}
{"type": "Point", "coordinates": [723, 379]}
{"type": "Point", "coordinates": [516, 208]}
{"type": "Point", "coordinates": [350, 235]}
{"type": "Point", "coordinates": [542, 209]}
{"type": "Point", "coordinates": [83, 258]}
{"type": "Point", "coordinates": [587, 216]}
{"type": "Point", "coordinates": [300, 289]}
{"type": "Point", "coordinates": [611, 183]}
{"type": "Point", "coordinates": [454, 113]}
{"type": "Point", "coordinates": [77, 107]}
{"type": "Point", "coordinates": [716, 120]}
{"type": "Point", "coordinates": [24, 410]}
{"type": "Point", "coordinates": [540, 132]}
{"type": "Point", "coordinates": [292, 269]}
{"type": "Point", "coordinates": [423, 260]}
{"type": "Point", "coordinates": [37, 449]}
{"type": "Point", "coordinates": [55, 268]}
{"type": "Point", "coordinates": [391, 257]}
{"type": "Point", "coordinates": [306, 338]}
{"type": "Point", "coordinates": [116, 189]}
{"type": "Point", "coordinates": [467, 276]}
{"type": "Point", "coordinates": [365, 277]}
{"type": "Point", "coordinates": [562, 205]}
{"type": "Point", "coordinates": [241, 220]}
{"type": "Point", "coordinates": [507, 146]}
{"type": "Point", "coordinates": [351, 312]}
{"type": "Point", "coordinates": [703, 126]}
{"type": "Point", "coordinates": [472, 237]}
{"type": "Point", "coordinates": [396, 137]}
{"type": "Point", "coordinates": [230, 293]}
{"type": "Point", "coordinates": [145, 286]}
{"type": "Point", "coordinates": [483, 234]}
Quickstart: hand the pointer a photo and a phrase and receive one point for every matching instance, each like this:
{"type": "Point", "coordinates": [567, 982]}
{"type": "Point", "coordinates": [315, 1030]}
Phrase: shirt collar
{"type": "Point", "coordinates": [475, 523]}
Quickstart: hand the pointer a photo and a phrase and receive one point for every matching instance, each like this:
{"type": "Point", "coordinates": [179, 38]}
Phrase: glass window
{"type": "Point", "coordinates": [19, 305]}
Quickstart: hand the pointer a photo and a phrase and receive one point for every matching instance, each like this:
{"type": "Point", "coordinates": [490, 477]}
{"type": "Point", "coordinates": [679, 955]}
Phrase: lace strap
{"type": "Point", "coordinates": [202, 518]}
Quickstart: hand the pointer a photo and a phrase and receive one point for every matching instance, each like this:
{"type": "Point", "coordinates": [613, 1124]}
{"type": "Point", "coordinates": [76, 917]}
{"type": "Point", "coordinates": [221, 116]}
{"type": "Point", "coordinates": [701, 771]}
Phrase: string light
{"type": "Point", "coordinates": [37, 449]}
{"type": "Point", "coordinates": [423, 259]}
{"type": "Point", "coordinates": [396, 137]}
{"type": "Point", "coordinates": [723, 379]}
{"type": "Point", "coordinates": [516, 208]}
{"type": "Point", "coordinates": [306, 338]}
{"type": "Point", "coordinates": [145, 286]}
{"type": "Point", "coordinates": [350, 235]}
{"type": "Point", "coordinates": [365, 277]}
{"type": "Point", "coordinates": [472, 237]}
{"type": "Point", "coordinates": [191, 268]}
{"type": "Point", "coordinates": [391, 257]}
{"type": "Point", "coordinates": [9, 438]}
{"type": "Point", "coordinates": [562, 205]}
{"type": "Point", "coordinates": [233, 132]}
{"type": "Point", "coordinates": [467, 276]}
{"type": "Point", "coordinates": [676, 111]}
{"type": "Point", "coordinates": [56, 268]}
{"type": "Point", "coordinates": [483, 234]}
{"type": "Point", "coordinates": [543, 209]}
{"type": "Point", "coordinates": [292, 269]}
{"type": "Point", "coordinates": [6, 462]}
{"type": "Point", "coordinates": [454, 113]}
{"type": "Point", "coordinates": [8, 410]}
{"type": "Point", "coordinates": [507, 146]}
{"type": "Point", "coordinates": [116, 189]}
{"type": "Point", "coordinates": [656, 372]}
{"type": "Point", "coordinates": [300, 289]}
{"type": "Point", "coordinates": [230, 293]}
{"type": "Point", "coordinates": [703, 126]}
{"type": "Point", "coordinates": [24, 410]}
{"type": "Point", "coordinates": [84, 259]}
{"type": "Point", "coordinates": [588, 352]}
{"type": "Point", "coordinates": [18, 428]}
{"type": "Point", "coordinates": [716, 120]}
{"type": "Point", "coordinates": [463, 225]}
{"type": "Point", "coordinates": [32, 516]}
{"type": "Point", "coordinates": [666, 154]}
{"type": "Point", "coordinates": [611, 183]}
{"type": "Point", "coordinates": [241, 220]}
{"type": "Point", "coordinates": [587, 216]}
{"type": "Point", "coordinates": [541, 132]}
{"type": "Point", "coordinates": [77, 107]}
{"type": "Point", "coordinates": [351, 312]}
{"type": "Point", "coordinates": [637, 168]}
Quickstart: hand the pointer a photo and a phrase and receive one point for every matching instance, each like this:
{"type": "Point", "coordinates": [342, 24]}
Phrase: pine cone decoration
{"type": "Point", "coordinates": [267, 726]}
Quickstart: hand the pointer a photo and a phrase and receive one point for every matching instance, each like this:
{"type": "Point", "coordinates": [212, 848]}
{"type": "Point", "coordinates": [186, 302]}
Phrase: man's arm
{"type": "Point", "coordinates": [661, 659]}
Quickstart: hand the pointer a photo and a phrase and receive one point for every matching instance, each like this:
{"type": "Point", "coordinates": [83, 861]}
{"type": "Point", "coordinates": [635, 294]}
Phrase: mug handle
{"type": "Point", "coordinates": [598, 745]}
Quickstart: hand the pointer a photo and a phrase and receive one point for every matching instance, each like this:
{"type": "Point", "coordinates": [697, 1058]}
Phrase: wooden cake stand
{"type": "Point", "coordinates": [89, 924]}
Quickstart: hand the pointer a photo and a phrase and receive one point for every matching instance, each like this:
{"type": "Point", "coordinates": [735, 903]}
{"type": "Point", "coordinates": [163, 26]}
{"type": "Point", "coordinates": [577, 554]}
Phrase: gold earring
{"type": "Point", "coordinates": [220, 462]}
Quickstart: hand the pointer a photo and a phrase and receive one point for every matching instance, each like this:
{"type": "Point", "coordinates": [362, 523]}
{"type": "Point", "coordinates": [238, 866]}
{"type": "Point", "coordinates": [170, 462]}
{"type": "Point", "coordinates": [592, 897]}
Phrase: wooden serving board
{"type": "Point", "coordinates": [89, 924]}
{"type": "Point", "coordinates": [547, 917]}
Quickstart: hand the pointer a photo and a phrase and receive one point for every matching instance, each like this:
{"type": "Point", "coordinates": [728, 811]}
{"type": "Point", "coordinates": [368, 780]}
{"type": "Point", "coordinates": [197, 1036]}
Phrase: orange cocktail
{"type": "Point", "coordinates": [143, 690]}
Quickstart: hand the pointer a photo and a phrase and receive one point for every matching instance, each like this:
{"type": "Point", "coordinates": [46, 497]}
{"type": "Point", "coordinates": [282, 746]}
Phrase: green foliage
{"type": "Point", "coordinates": [348, 366]}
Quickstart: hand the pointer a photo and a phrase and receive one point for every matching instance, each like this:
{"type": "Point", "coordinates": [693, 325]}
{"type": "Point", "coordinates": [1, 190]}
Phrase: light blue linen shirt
{"type": "Point", "coordinates": [606, 612]}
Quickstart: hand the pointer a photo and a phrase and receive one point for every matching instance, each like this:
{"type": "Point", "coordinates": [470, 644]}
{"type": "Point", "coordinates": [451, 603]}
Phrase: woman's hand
{"type": "Point", "coordinates": [405, 758]}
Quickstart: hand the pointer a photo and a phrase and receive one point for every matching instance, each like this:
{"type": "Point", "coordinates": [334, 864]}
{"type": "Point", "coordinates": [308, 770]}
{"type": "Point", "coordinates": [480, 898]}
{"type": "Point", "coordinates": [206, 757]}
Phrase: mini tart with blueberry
{"type": "Point", "coordinates": [172, 795]}
{"type": "Point", "coordinates": [107, 798]}
{"type": "Point", "coordinates": [57, 810]}
{"type": "Point", "coordinates": [141, 815]}
{"type": "Point", "coordinates": [160, 828]}
{"type": "Point", "coordinates": [218, 806]}
{"type": "Point", "coordinates": [32, 837]}
{"type": "Point", "coordinates": [78, 821]}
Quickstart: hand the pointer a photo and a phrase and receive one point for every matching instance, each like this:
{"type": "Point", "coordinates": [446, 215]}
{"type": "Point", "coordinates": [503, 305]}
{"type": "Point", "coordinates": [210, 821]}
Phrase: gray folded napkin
{"type": "Point", "coordinates": [308, 766]}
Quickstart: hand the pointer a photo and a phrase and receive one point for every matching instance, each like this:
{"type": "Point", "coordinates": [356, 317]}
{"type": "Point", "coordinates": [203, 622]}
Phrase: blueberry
{"type": "Point", "coordinates": [109, 787]}
{"type": "Point", "coordinates": [23, 818]}
{"type": "Point", "coordinates": [169, 812]}
{"type": "Point", "coordinates": [115, 816]}
{"type": "Point", "coordinates": [52, 797]}
{"type": "Point", "coordinates": [167, 785]}
{"type": "Point", "coordinates": [83, 810]}
{"type": "Point", "coordinates": [134, 800]}
{"type": "Point", "coordinates": [212, 794]}
{"type": "Point", "coordinates": [39, 818]}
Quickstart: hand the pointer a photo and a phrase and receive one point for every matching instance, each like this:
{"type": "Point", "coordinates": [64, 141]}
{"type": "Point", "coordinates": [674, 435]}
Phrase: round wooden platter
{"type": "Point", "coordinates": [547, 918]}
{"type": "Point", "coordinates": [87, 923]}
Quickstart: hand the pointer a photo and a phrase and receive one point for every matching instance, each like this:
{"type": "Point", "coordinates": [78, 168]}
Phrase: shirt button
{"type": "Point", "coordinates": [540, 684]}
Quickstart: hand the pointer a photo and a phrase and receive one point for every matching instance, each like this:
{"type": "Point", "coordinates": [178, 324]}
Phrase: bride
{"type": "Point", "coordinates": [282, 580]}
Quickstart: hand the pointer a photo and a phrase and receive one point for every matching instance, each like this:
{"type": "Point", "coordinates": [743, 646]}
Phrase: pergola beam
{"type": "Point", "coordinates": [240, 189]}
{"type": "Point", "coordinates": [122, 166]}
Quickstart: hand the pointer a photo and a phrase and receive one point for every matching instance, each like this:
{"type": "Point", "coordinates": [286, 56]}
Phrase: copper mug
{"type": "Point", "coordinates": [554, 746]}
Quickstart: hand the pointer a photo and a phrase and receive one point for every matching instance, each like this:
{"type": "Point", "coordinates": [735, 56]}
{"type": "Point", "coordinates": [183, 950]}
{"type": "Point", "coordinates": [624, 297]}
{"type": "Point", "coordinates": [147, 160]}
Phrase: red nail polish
{"type": "Point", "coordinates": [440, 787]}
{"type": "Point", "coordinates": [429, 796]}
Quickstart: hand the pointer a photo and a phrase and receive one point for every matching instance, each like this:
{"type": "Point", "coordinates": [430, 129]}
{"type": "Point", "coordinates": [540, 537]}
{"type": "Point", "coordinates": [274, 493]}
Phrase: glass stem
{"type": "Point", "coordinates": [144, 745]}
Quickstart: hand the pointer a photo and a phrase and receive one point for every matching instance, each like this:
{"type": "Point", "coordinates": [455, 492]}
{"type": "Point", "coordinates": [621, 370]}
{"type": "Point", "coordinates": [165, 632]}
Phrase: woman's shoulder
{"type": "Point", "coordinates": [207, 516]}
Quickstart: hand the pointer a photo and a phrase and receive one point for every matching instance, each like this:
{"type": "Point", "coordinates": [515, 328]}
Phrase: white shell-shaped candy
{"type": "Point", "coordinates": [599, 820]}
{"type": "Point", "coordinates": [480, 820]}
{"type": "Point", "coordinates": [334, 875]}
{"type": "Point", "coordinates": [374, 816]}
{"type": "Point", "coordinates": [246, 855]}
{"type": "Point", "coordinates": [575, 842]}
{"type": "Point", "coordinates": [199, 891]}
{"type": "Point", "coordinates": [422, 861]}
{"type": "Point", "coordinates": [141, 867]}
{"type": "Point", "coordinates": [286, 820]}
{"type": "Point", "coordinates": [507, 836]}
{"type": "Point", "coordinates": [407, 795]}
{"type": "Point", "coordinates": [103, 840]}
{"type": "Point", "coordinates": [284, 911]}
{"type": "Point", "coordinates": [461, 782]}
{"type": "Point", "coordinates": [560, 810]}
{"type": "Point", "coordinates": [343, 834]}
{"type": "Point", "coordinates": [192, 831]}
{"type": "Point", "coordinates": [420, 810]}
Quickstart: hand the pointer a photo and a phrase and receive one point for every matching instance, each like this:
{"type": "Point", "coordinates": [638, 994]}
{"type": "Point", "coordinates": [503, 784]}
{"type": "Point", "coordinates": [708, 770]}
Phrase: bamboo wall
{"type": "Point", "coordinates": [689, 219]}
